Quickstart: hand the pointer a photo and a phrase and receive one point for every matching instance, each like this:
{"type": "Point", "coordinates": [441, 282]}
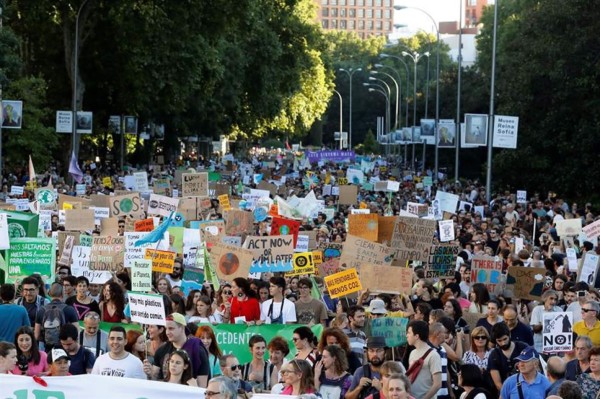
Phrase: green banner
{"type": "Point", "coordinates": [393, 329]}
{"type": "Point", "coordinates": [27, 256]}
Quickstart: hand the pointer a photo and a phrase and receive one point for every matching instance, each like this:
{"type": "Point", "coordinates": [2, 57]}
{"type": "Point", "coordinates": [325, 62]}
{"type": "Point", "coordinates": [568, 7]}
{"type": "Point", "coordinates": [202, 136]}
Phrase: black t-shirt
{"type": "Point", "coordinates": [506, 367]}
{"type": "Point", "coordinates": [83, 308]}
{"type": "Point", "coordinates": [84, 359]}
{"type": "Point", "coordinates": [195, 349]}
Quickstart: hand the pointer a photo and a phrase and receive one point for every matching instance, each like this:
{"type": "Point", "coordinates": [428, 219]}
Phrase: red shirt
{"type": "Point", "coordinates": [248, 308]}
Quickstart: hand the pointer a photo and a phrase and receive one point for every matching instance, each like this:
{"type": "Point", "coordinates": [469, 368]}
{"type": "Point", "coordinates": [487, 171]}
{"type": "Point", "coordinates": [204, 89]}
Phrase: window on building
{"type": "Point", "coordinates": [325, 24]}
{"type": "Point", "coordinates": [324, 2]}
{"type": "Point", "coordinates": [378, 25]}
{"type": "Point", "coordinates": [342, 2]}
{"type": "Point", "coordinates": [351, 24]}
{"type": "Point", "coordinates": [342, 12]}
{"type": "Point", "coordinates": [387, 3]}
{"type": "Point", "coordinates": [378, 3]}
{"type": "Point", "coordinates": [378, 14]}
{"type": "Point", "coordinates": [352, 13]}
{"type": "Point", "coordinates": [343, 24]}
{"type": "Point", "coordinates": [387, 14]}
{"type": "Point", "coordinates": [360, 3]}
{"type": "Point", "coordinates": [361, 13]}
{"type": "Point", "coordinates": [334, 24]}
{"type": "Point", "coordinates": [334, 12]}
{"type": "Point", "coordinates": [361, 24]}
{"type": "Point", "coordinates": [473, 3]}
{"type": "Point", "coordinates": [325, 12]}
{"type": "Point", "coordinates": [370, 3]}
{"type": "Point", "coordinates": [333, 2]}
{"type": "Point", "coordinates": [369, 13]}
{"type": "Point", "coordinates": [351, 2]}
{"type": "Point", "coordinates": [370, 25]}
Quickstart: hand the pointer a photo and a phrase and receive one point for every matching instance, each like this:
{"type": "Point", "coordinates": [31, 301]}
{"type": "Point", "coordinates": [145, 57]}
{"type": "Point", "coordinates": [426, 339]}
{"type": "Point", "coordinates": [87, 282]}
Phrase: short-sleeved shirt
{"type": "Point", "coordinates": [194, 348]}
{"type": "Point", "coordinates": [314, 311]}
{"type": "Point", "coordinates": [358, 341]}
{"type": "Point", "coordinates": [535, 390]}
{"type": "Point", "coordinates": [70, 314]}
{"type": "Point", "coordinates": [431, 366]}
{"type": "Point", "coordinates": [12, 318]}
{"type": "Point", "coordinates": [360, 373]}
{"type": "Point", "coordinates": [250, 309]}
{"type": "Point", "coordinates": [82, 308]}
{"type": "Point", "coordinates": [500, 363]}
{"type": "Point", "coordinates": [522, 333]}
{"type": "Point", "coordinates": [537, 317]}
{"type": "Point", "coordinates": [278, 312]}
{"type": "Point", "coordinates": [593, 333]}
{"type": "Point", "coordinates": [128, 367]}
{"type": "Point", "coordinates": [83, 360]}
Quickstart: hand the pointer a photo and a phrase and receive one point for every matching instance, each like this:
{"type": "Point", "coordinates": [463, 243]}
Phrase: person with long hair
{"type": "Point", "coordinates": [454, 311]}
{"type": "Point", "coordinates": [479, 297]}
{"type": "Point", "coordinates": [204, 312]}
{"type": "Point", "coordinates": [470, 379]}
{"type": "Point", "coordinates": [163, 286]}
{"type": "Point", "coordinates": [208, 338]}
{"type": "Point", "coordinates": [298, 378]}
{"type": "Point", "coordinates": [492, 317]}
{"type": "Point", "coordinates": [8, 357]}
{"type": "Point", "coordinates": [30, 360]}
{"type": "Point", "coordinates": [422, 312]}
{"type": "Point", "coordinates": [256, 372]}
{"type": "Point", "coordinates": [590, 382]}
{"type": "Point", "coordinates": [244, 305]}
{"type": "Point", "coordinates": [136, 344]}
{"type": "Point", "coordinates": [178, 303]}
{"type": "Point", "coordinates": [331, 378]}
{"type": "Point", "coordinates": [157, 336]}
{"type": "Point", "coordinates": [303, 339]}
{"type": "Point", "coordinates": [223, 300]}
{"type": "Point", "coordinates": [190, 303]}
{"type": "Point", "coordinates": [335, 336]}
{"type": "Point", "coordinates": [479, 352]}
{"type": "Point", "coordinates": [180, 369]}
{"type": "Point", "coordinates": [208, 290]}
{"type": "Point", "coordinates": [112, 305]}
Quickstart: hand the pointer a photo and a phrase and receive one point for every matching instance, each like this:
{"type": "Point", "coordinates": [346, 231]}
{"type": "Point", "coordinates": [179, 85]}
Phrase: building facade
{"type": "Point", "coordinates": [365, 17]}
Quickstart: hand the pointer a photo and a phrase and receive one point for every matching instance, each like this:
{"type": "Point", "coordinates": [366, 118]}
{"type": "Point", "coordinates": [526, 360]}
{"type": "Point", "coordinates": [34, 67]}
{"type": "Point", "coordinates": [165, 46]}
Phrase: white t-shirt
{"type": "Point", "coordinates": [267, 313]}
{"type": "Point", "coordinates": [214, 318]}
{"type": "Point", "coordinates": [172, 282]}
{"type": "Point", "coordinates": [478, 396]}
{"type": "Point", "coordinates": [128, 367]}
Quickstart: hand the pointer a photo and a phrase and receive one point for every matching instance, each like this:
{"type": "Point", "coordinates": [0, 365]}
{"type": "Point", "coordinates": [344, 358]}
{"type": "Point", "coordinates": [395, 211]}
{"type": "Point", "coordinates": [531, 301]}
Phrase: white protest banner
{"type": "Point", "coordinates": [129, 182]}
{"type": "Point", "coordinates": [141, 182]}
{"type": "Point", "coordinates": [141, 275]}
{"type": "Point", "coordinates": [4, 240]}
{"type": "Point", "coordinates": [446, 230]}
{"type": "Point", "coordinates": [194, 184]}
{"type": "Point", "coordinates": [147, 309]}
{"type": "Point", "coordinates": [360, 211]}
{"type": "Point", "coordinates": [592, 230]}
{"type": "Point", "coordinates": [302, 243]}
{"type": "Point", "coordinates": [64, 122]}
{"type": "Point", "coordinates": [557, 332]}
{"type": "Point", "coordinates": [521, 196]}
{"type": "Point", "coordinates": [569, 227]}
{"type": "Point", "coordinates": [161, 205]}
{"type": "Point", "coordinates": [80, 256]}
{"type": "Point", "coordinates": [506, 129]}
{"type": "Point", "coordinates": [355, 176]}
{"type": "Point", "coordinates": [572, 259]}
{"type": "Point", "coordinates": [133, 253]}
{"type": "Point", "coordinates": [447, 201]}
{"type": "Point", "coordinates": [16, 190]}
{"type": "Point", "coordinates": [589, 268]}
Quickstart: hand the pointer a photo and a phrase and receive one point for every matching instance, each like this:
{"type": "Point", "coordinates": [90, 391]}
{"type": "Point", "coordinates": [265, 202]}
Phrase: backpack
{"type": "Point", "coordinates": [54, 319]}
{"type": "Point", "coordinates": [368, 390]}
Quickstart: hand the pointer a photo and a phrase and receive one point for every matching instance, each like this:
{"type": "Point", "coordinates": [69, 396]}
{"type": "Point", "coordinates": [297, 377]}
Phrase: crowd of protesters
{"type": "Point", "coordinates": [463, 341]}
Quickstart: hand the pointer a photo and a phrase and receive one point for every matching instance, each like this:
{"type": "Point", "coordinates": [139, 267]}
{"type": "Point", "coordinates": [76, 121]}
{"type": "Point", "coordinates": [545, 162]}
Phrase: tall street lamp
{"type": "Point", "coordinates": [341, 113]}
{"type": "Point", "coordinates": [415, 57]}
{"type": "Point", "coordinates": [397, 93]}
{"type": "Point", "coordinates": [384, 55]}
{"type": "Point", "coordinates": [398, 87]}
{"type": "Point", "coordinates": [379, 89]}
{"type": "Point", "coordinates": [75, 76]}
{"type": "Point", "coordinates": [437, 81]}
{"type": "Point", "coordinates": [350, 72]}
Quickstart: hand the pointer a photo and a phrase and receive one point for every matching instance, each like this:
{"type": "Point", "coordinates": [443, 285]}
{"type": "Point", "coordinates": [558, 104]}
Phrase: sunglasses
{"type": "Point", "coordinates": [480, 337]}
{"type": "Point", "coordinates": [227, 292]}
{"type": "Point", "coordinates": [587, 310]}
{"type": "Point", "coordinates": [236, 367]}
{"type": "Point", "coordinates": [210, 394]}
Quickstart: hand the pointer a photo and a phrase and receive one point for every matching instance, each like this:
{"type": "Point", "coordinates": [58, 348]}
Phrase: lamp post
{"type": "Point", "coordinates": [379, 89]}
{"type": "Point", "coordinates": [350, 72]}
{"type": "Point", "coordinates": [384, 55]}
{"type": "Point", "coordinates": [437, 81]}
{"type": "Point", "coordinates": [74, 143]}
{"type": "Point", "coordinates": [415, 57]}
{"type": "Point", "coordinates": [398, 84]}
{"type": "Point", "coordinates": [488, 177]}
{"type": "Point", "coordinates": [341, 113]}
{"type": "Point", "coordinates": [458, 95]}
{"type": "Point", "coordinates": [397, 94]}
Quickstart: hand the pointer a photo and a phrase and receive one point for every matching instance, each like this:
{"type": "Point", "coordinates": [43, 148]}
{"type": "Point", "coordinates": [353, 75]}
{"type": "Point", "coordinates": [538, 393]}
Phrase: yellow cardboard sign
{"type": "Point", "coordinates": [67, 205]}
{"type": "Point", "coordinates": [342, 181]}
{"type": "Point", "coordinates": [107, 182]}
{"type": "Point", "coordinates": [224, 202]}
{"type": "Point", "coordinates": [303, 264]}
{"type": "Point", "coordinates": [317, 257]}
{"type": "Point", "coordinates": [343, 283]}
{"type": "Point", "coordinates": [162, 261]}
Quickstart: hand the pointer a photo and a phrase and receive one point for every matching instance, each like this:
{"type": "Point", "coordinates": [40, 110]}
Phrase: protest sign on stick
{"type": "Point", "coordinates": [147, 309]}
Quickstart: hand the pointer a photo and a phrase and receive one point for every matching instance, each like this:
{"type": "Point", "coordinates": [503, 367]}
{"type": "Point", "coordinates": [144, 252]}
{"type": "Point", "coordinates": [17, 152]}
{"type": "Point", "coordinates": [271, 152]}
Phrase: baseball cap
{"type": "Point", "coordinates": [377, 306]}
{"type": "Point", "coordinates": [177, 318]}
{"type": "Point", "coordinates": [57, 354]}
{"type": "Point", "coordinates": [527, 355]}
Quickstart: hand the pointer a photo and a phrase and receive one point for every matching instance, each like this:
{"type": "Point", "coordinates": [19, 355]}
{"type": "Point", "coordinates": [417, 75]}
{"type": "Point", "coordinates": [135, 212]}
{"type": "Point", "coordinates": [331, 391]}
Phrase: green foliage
{"type": "Point", "coordinates": [370, 145]}
{"type": "Point", "coordinates": [548, 75]}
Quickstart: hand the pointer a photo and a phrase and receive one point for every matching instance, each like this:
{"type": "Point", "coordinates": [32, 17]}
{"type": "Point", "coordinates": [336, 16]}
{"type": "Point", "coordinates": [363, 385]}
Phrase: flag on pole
{"type": "Point", "coordinates": [74, 169]}
{"type": "Point", "coordinates": [156, 234]}
{"type": "Point", "coordinates": [31, 170]}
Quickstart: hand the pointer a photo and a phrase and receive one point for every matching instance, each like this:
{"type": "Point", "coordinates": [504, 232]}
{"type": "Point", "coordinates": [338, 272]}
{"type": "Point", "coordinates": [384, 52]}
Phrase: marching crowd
{"type": "Point", "coordinates": [463, 341]}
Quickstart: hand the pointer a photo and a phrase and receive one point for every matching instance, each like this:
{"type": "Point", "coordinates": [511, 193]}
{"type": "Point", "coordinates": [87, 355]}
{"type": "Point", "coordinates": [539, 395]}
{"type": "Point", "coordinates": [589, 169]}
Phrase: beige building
{"type": "Point", "coordinates": [365, 17]}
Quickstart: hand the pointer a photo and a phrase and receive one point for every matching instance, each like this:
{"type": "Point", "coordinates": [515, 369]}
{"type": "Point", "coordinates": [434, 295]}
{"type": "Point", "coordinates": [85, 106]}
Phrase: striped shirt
{"type": "Point", "coordinates": [358, 341]}
{"type": "Point", "coordinates": [443, 392]}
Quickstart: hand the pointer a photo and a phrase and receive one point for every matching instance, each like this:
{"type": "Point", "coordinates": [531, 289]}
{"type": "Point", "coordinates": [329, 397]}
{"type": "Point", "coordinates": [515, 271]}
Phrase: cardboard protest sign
{"type": "Point", "coordinates": [133, 253]}
{"type": "Point", "coordinates": [65, 257]}
{"type": "Point", "coordinates": [526, 282]}
{"type": "Point", "coordinates": [124, 205]}
{"type": "Point", "coordinates": [557, 332]}
{"type": "Point", "coordinates": [144, 225]}
{"type": "Point", "coordinates": [486, 270]}
{"type": "Point", "coordinates": [385, 228]}
{"type": "Point", "coordinates": [141, 276]}
{"type": "Point", "coordinates": [420, 210]}
{"type": "Point", "coordinates": [388, 279]}
{"type": "Point", "coordinates": [343, 283]}
{"type": "Point", "coordinates": [589, 268]}
{"type": "Point", "coordinates": [194, 184]}
{"type": "Point", "coordinates": [162, 261]}
{"type": "Point", "coordinates": [446, 230]}
{"type": "Point", "coordinates": [442, 261]}
{"type": "Point", "coordinates": [224, 202]}
{"type": "Point", "coordinates": [412, 238]}
{"type": "Point", "coordinates": [283, 226]}
{"type": "Point", "coordinates": [147, 309]}
{"type": "Point", "coordinates": [107, 253]}
{"type": "Point", "coordinates": [348, 195]}
{"type": "Point", "coordinates": [79, 219]}
{"type": "Point", "coordinates": [141, 182]}
{"type": "Point", "coordinates": [81, 266]}
{"type": "Point", "coordinates": [303, 264]}
{"type": "Point", "coordinates": [271, 253]}
{"type": "Point", "coordinates": [393, 329]}
{"type": "Point", "coordinates": [230, 262]}
{"type": "Point", "coordinates": [162, 187]}
{"type": "Point", "coordinates": [161, 205]}
{"type": "Point", "coordinates": [364, 226]}
{"type": "Point", "coordinates": [568, 227]}
{"type": "Point", "coordinates": [27, 256]}
{"type": "Point", "coordinates": [47, 198]}
{"type": "Point", "coordinates": [358, 251]}
{"type": "Point", "coordinates": [238, 222]}
{"type": "Point", "coordinates": [211, 230]}
{"type": "Point", "coordinates": [592, 230]}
